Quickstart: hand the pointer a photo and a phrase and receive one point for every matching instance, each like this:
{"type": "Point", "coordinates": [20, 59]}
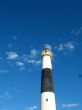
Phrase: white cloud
{"type": "Point", "coordinates": [20, 64]}
{"type": "Point", "coordinates": [31, 108]}
{"type": "Point", "coordinates": [78, 32]}
{"type": "Point", "coordinates": [31, 57]}
{"type": "Point", "coordinates": [38, 62]}
{"type": "Point", "coordinates": [60, 47]}
{"type": "Point", "coordinates": [33, 53]}
{"type": "Point", "coordinates": [31, 61]}
{"type": "Point", "coordinates": [25, 58]}
{"type": "Point", "coordinates": [21, 68]}
{"type": "Point", "coordinates": [65, 47]}
{"type": "Point", "coordinates": [70, 105]}
{"type": "Point", "coordinates": [3, 71]}
{"type": "Point", "coordinates": [11, 55]}
{"type": "Point", "coordinates": [69, 45]}
{"type": "Point", "coordinates": [48, 46]}
{"type": "Point", "coordinates": [35, 62]}
{"type": "Point", "coordinates": [6, 95]}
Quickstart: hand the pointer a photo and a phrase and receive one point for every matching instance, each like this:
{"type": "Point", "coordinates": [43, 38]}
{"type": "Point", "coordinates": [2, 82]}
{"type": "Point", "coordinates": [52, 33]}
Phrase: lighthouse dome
{"type": "Point", "coordinates": [45, 52]}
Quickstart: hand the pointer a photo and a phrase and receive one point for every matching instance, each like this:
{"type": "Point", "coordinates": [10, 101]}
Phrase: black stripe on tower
{"type": "Point", "coordinates": [46, 81]}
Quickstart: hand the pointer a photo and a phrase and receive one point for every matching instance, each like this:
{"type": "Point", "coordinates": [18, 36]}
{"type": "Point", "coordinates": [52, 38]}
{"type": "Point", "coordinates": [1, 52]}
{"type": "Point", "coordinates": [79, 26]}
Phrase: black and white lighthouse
{"type": "Point", "coordinates": [47, 89]}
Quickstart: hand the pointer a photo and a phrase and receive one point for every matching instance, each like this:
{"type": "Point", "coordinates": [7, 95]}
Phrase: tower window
{"type": "Point", "coordinates": [46, 99]}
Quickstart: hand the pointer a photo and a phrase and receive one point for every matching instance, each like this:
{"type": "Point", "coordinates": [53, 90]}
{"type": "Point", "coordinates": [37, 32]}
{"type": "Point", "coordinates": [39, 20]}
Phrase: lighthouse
{"type": "Point", "coordinates": [47, 88]}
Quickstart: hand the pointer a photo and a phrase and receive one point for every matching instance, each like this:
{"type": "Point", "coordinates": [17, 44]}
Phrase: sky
{"type": "Point", "coordinates": [28, 26]}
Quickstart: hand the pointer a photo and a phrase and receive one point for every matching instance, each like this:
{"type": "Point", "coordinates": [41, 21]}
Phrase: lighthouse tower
{"type": "Point", "coordinates": [47, 89]}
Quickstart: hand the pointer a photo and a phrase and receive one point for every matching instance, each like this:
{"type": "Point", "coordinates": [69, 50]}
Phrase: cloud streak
{"type": "Point", "coordinates": [33, 53]}
{"type": "Point", "coordinates": [32, 58]}
{"type": "Point", "coordinates": [12, 55]}
{"type": "Point", "coordinates": [36, 62]}
{"type": "Point", "coordinates": [48, 46]}
{"type": "Point", "coordinates": [31, 108]}
{"type": "Point", "coordinates": [78, 32]}
{"type": "Point", "coordinates": [6, 95]}
{"type": "Point", "coordinates": [3, 71]}
{"type": "Point", "coordinates": [20, 64]}
{"type": "Point", "coordinates": [22, 61]}
{"type": "Point", "coordinates": [70, 105]}
{"type": "Point", "coordinates": [65, 47]}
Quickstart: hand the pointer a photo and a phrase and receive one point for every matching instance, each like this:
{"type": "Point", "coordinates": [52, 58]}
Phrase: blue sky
{"type": "Point", "coordinates": [26, 27]}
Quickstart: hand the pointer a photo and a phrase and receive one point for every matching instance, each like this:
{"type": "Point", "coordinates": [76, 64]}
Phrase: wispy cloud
{"type": "Point", "coordinates": [21, 68]}
{"type": "Point", "coordinates": [33, 53]}
{"type": "Point", "coordinates": [65, 47]}
{"type": "Point", "coordinates": [31, 108]}
{"type": "Point", "coordinates": [31, 61]}
{"type": "Point", "coordinates": [35, 62]}
{"type": "Point", "coordinates": [12, 55]}
{"type": "Point", "coordinates": [70, 105]}
{"type": "Point", "coordinates": [23, 60]}
{"type": "Point", "coordinates": [38, 62]}
{"type": "Point", "coordinates": [32, 57]}
{"type": "Point", "coordinates": [20, 64]}
{"type": "Point", "coordinates": [77, 32]}
{"type": "Point", "coordinates": [48, 46]}
{"type": "Point", "coordinates": [3, 71]}
{"type": "Point", "coordinates": [5, 95]}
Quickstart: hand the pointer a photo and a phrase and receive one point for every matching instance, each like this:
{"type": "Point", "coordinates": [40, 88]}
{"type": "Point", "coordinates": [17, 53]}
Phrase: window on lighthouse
{"type": "Point", "coordinates": [46, 99]}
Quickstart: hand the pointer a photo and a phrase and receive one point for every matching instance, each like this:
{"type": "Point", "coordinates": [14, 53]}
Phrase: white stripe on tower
{"type": "Point", "coordinates": [47, 89]}
{"type": "Point", "coordinates": [46, 62]}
